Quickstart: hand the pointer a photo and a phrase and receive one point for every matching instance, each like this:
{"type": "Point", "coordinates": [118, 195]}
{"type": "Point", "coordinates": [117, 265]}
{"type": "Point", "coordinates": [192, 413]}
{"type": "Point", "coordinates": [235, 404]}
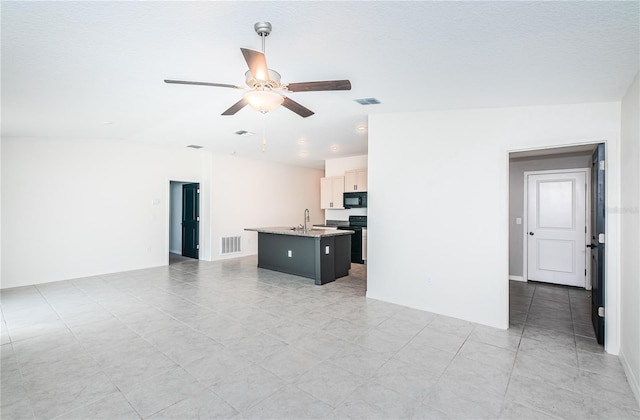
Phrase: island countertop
{"type": "Point", "coordinates": [312, 233]}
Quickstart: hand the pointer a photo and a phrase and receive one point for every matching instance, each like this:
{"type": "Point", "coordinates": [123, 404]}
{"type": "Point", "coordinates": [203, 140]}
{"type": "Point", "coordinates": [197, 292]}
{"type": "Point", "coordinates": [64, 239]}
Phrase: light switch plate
{"type": "Point", "coordinates": [326, 250]}
{"type": "Point", "coordinates": [518, 220]}
{"type": "Point", "coordinates": [289, 253]}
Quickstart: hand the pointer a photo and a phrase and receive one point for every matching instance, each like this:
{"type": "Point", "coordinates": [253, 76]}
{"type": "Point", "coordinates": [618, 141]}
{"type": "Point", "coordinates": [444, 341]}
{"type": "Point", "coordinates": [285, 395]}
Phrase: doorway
{"type": "Point", "coordinates": [563, 260]}
{"type": "Point", "coordinates": [184, 221]}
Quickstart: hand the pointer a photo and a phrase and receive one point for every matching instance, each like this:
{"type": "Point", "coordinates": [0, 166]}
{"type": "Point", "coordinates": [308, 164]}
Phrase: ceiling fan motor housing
{"type": "Point", "coordinates": [262, 28]}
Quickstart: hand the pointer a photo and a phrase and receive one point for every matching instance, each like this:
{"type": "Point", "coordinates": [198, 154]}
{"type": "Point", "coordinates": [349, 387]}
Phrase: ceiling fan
{"type": "Point", "coordinates": [263, 86]}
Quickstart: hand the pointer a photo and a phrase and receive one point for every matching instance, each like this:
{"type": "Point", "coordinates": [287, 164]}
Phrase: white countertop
{"type": "Point", "coordinates": [313, 233]}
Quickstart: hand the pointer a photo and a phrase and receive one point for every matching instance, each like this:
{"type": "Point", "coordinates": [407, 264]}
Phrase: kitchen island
{"type": "Point", "coordinates": [322, 255]}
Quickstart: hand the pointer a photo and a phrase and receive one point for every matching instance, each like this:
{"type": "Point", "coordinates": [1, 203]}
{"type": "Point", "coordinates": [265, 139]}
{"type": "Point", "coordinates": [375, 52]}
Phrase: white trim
{"type": "Point", "coordinates": [525, 217]}
{"type": "Point", "coordinates": [516, 278]}
{"type": "Point", "coordinates": [612, 250]}
{"type": "Point", "coordinates": [634, 382]}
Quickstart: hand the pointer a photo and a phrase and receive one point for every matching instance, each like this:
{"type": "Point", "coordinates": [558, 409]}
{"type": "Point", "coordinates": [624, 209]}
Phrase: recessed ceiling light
{"type": "Point", "coordinates": [334, 148]}
{"type": "Point", "coordinates": [367, 101]}
{"type": "Point", "coordinates": [302, 141]}
{"type": "Point", "coordinates": [303, 154]}
{"type": "Point", "coordinates": [195, 146]}
{"type": "Point", "coordinates": [362, 128]}
{"type": "Point", "coordinates": [244, 133]}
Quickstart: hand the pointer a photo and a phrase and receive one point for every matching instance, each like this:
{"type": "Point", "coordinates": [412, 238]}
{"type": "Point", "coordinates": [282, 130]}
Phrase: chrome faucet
{"type": "Point", "coordinates": [306, 218]}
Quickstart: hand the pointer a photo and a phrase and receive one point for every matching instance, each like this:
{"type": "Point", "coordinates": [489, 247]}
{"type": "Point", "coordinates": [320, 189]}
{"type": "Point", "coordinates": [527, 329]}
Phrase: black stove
{"type": "Point", "coordinates": [356, 223]}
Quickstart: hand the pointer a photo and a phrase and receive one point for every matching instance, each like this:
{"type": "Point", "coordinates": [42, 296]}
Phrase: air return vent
{"type": "Point", "coordinates": [230, 245]}
{"type": "Point", "coordinates": [367, 101]}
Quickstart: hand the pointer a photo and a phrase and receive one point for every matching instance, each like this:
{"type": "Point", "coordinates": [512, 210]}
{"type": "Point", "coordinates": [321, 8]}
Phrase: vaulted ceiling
{"type": "Point", "coordinates": [96, 69]}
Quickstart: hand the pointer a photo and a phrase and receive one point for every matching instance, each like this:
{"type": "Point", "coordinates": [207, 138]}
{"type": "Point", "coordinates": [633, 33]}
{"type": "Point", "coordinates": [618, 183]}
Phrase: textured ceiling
{"type": "Point", "coordinates": [95, 69]}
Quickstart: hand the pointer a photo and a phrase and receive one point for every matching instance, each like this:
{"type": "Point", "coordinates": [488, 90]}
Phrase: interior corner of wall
{"type": "Point", "coordinates": [632, 377]}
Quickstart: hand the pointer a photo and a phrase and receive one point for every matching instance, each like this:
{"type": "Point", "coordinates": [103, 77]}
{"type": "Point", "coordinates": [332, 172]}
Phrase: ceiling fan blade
{"type": "Point", "coordinates": [236, 107]}
{"type": "Point", "coordinates": [297, 108]}
{"type": "Point", "coordinates": [257, 63]}
{"type": "Point", "coordinates": [184, 82]}
{"type": "Point", "coordinates": [317, 86]}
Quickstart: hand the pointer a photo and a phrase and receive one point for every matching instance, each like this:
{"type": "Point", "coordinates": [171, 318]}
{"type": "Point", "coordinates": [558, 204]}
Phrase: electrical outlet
{"type": "Point", "coordinates": [289, 253]}
{"type": "Point", "coordinates": [326, 250]}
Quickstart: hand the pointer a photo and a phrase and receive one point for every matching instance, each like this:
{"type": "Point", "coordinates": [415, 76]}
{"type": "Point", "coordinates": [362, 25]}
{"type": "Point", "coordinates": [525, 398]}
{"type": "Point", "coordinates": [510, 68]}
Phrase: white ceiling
{"type": "Point", "coordinates": [95, 69]}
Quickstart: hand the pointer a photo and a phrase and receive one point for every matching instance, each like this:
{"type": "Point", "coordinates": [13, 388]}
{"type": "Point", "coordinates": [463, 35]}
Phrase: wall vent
{"type": "Point", "coordinates": [230, 245]}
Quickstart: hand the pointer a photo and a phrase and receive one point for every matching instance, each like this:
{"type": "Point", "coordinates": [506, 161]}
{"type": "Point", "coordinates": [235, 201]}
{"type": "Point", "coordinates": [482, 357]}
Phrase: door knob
{"type": "Point", "coordinates": [531, 233]}
{"type": "Point", "coordinates": [591, 246]}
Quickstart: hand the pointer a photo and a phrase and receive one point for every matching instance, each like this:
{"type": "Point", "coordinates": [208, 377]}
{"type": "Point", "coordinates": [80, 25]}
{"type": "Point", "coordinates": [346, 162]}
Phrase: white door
{"type": "Point", "coordinates": [556, 222]}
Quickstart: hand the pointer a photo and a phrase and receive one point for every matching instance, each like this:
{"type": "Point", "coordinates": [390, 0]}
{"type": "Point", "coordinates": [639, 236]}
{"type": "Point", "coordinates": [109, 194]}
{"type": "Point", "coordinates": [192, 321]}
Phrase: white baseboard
{"type": "Point", "coordinates": [634, 381]}
{"type": "Point", "coordinates": [516, 278]}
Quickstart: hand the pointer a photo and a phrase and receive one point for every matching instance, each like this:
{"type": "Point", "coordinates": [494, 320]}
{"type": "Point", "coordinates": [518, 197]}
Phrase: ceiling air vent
{"type": "Point", "coordinates": [195, 146]}
{"type": "Point", "coordinates": [244, 133]}
{"type": "Point", "coordinates": [368, 101]}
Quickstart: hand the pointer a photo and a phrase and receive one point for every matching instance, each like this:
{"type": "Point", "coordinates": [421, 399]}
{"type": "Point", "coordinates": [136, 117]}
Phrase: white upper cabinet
{"type": "Point", "coordinates": [331, 190]}
{"type": "Point", "coordinates": [355, 181]}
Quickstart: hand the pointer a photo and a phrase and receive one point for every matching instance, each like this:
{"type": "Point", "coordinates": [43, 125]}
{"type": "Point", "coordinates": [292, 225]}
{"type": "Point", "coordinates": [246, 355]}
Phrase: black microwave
{"type": "Point", "coordinates": [354, 200]}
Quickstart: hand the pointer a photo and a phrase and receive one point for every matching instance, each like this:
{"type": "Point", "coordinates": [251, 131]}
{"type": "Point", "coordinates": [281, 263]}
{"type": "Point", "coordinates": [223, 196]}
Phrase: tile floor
{"type": "Point", "coordinates": [229, 340]}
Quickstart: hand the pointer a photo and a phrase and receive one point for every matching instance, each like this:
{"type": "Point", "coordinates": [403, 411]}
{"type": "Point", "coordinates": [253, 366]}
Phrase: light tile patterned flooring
{"type": "Point", "coordinates": [229, 340]}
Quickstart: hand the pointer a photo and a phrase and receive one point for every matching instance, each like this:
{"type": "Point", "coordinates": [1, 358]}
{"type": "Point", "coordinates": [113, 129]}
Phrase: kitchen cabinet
{"type": "Point", "coordinates": [355, 181]}
{"type": "Point", "coordinates": [331, 190]}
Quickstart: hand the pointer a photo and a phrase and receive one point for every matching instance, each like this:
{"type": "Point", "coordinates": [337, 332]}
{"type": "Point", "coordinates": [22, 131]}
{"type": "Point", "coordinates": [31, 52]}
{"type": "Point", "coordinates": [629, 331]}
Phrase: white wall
{"type": "Point", "coordinates": [337, 167]}
{"type": "Point", "coordinates": [75, 208]}
{"type": "Point", "coordinates": [0, 211]}
{"type": "Point", "coordinates": [630, 238]}
{"type": "Point", "coordinates": [517, 167]}
{"type": "Point", "coordinates": [175, 218]}
{"type": "Point", "coordinates": [447, 252]}
{"type": "Point", "coordinates": [253, 193]}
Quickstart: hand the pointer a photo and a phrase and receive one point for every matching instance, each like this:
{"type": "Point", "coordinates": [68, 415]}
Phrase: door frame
{"type": "Point", "coordinates": [203, 234]}
{"type": "Point", "coordinates": [192, 186]}
{"type": "Point", "coordinates": [611, 141]}
{"type": "Point", "coordinates": [525, 218]}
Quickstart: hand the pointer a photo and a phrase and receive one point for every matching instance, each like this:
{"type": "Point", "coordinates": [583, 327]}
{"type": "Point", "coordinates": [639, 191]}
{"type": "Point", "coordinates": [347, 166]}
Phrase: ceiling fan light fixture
{"type": "Point", "coordinates": [261, 81]}
{"type": "Point", "coordinates": [263, 101]}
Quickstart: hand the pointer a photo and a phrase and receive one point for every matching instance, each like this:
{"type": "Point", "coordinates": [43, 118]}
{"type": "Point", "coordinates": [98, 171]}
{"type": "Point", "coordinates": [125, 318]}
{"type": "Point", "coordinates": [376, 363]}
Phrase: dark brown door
{"type": "Point", "coordinates": [190, 220]}
{"type": "Point", "coordinates": [597, 241]}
